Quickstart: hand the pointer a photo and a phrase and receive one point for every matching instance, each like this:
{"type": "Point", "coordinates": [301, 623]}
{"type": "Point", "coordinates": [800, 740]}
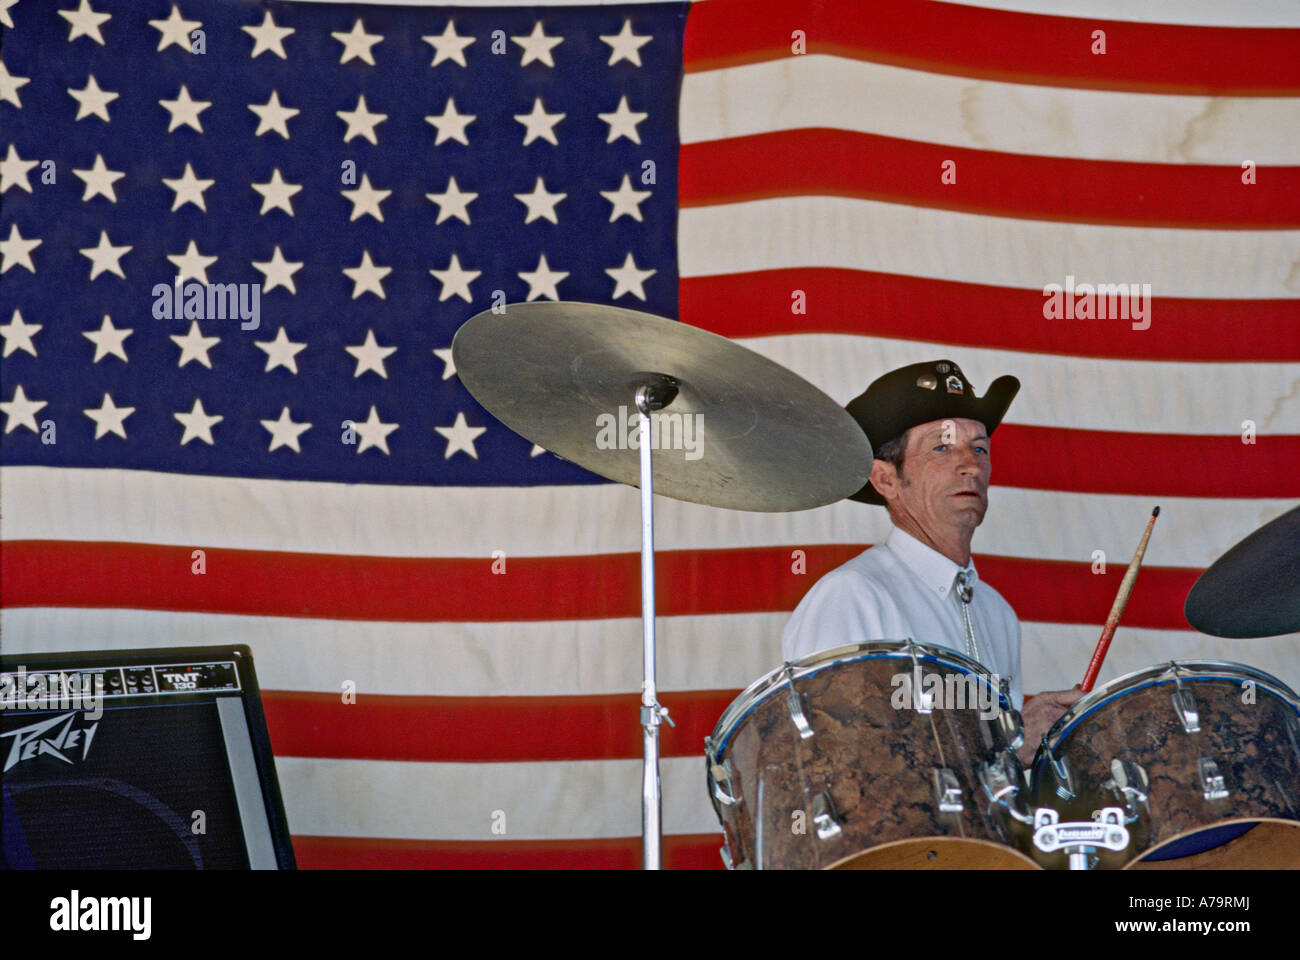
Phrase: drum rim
{"type": "Point", "coordinates": [772, 681]}
{"type": "Point", "coordinates": [1192, 831]}
{"type": "Point", "coordinates": [1157, 675]}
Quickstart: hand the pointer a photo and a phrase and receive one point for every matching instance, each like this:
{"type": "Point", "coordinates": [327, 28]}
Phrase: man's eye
{"type": "Point", "coordinates": [982, 449]}
{"type": "Point", "coordinates": [941, 447]}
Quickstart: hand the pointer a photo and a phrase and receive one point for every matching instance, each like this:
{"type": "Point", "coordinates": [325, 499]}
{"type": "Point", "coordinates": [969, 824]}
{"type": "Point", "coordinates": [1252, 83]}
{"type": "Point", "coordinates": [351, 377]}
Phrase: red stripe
{"type": "Point", "coordinates": [999, 45]}
{"type": "Point", "coordinates": [843, 163]}
{"type": "Point", "coordinates": [1047, 458]}
{"type": "Point", "coordinates": [977, 315]}
{"type": "Point", "coordinates": [680, 852]}
{"type": "Point", "coordinates": [264, 583]}
{"type": "Point", "coordinates": [484, 729]}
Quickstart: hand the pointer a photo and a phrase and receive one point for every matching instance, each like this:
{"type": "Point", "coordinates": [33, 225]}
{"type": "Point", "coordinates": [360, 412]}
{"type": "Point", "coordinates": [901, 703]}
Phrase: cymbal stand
{"type": "Point", "coordinates": [654, 394]}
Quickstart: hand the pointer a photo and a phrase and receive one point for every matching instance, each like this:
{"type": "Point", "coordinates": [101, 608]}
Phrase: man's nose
{"type": "Point", "coordinates": [969, 463]}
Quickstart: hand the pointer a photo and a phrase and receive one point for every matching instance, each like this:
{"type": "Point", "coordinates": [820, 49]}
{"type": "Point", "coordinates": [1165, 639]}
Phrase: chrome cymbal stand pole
{"type": "Point", "coordinates": [653, 395]}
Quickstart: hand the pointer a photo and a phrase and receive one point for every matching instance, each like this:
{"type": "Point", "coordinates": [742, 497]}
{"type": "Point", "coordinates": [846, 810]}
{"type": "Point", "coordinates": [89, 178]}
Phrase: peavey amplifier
{"type": "Point", "coordinates": [153, 759]}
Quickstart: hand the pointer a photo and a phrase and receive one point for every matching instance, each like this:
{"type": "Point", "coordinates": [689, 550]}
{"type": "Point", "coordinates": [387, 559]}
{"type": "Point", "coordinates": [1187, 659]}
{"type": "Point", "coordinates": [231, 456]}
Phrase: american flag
{"type": "Point", "coordinates": [445, 617]}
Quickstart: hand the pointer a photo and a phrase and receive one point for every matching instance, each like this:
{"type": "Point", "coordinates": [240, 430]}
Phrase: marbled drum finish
{"type": "Point", "coordinates": [1257, 756]}
{"type": "Point", "coordinates": [875, 761]}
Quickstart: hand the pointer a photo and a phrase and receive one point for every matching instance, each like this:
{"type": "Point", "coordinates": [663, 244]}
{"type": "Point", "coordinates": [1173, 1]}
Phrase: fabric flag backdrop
{"type": "Point", "coordinates": [843, 187]}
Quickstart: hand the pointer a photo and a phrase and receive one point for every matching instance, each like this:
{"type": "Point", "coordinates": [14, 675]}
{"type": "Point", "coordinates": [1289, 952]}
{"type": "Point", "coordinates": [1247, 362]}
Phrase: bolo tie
{"type": "Point", "coordinates": [965, 590]}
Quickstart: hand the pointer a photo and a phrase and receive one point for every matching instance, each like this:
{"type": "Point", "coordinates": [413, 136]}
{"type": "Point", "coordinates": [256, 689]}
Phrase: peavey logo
{"type": "Point", "coordinates": [31, 742]}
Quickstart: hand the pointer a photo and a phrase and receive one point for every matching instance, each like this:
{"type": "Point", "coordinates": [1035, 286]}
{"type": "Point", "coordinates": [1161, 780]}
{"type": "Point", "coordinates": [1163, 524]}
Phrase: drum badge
{"type": "Point", "coordinates": [954, 384]}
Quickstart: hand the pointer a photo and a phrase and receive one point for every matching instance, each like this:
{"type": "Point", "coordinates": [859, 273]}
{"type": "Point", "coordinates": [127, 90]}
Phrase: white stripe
{"type": "Point", "coordinates": [787, 232]}
{"type": "Point", "coordinates": [119, 505]}
{"type": "Point", "coordinates": [792, 93]}
{"type": "Point", "coordinates": [541, 658]}
{"type": "Point", "coordinates": [1198, 13]}
{"type": "Point", "coordinates": [459, 801]}
{"type": "Point", "coordinates": [1054, 656]}
{"type": "Point", "coordinates": [1057, 390]}
{"type": "Point", "coordinates": [562, 658]}
{"type": "Point", "coordinates": [1079, 393]}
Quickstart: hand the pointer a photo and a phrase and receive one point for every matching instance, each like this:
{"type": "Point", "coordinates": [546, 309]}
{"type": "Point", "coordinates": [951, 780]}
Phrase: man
{"type": "Point", "coordinates": [930, 435]}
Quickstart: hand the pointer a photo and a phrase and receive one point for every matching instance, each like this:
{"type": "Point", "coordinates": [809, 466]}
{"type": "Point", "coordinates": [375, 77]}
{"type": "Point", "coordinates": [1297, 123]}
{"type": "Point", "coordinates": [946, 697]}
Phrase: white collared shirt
{"type": "Point", "coordinates": [902, 588]}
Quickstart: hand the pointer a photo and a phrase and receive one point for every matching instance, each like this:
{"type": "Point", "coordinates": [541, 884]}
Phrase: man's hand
{"type": "Point", "coordinates": [1040, 713]}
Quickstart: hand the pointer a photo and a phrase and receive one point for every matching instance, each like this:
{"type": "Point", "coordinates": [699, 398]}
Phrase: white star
{"type": "Point", "coordinates": [272, 115]}
{"type": "Point", "coordinates": [281, 352]}
{"type": "Point", "coordinates": [628, 279]}
{"type": "Point", "coordinates": [357, 43]}
{"type": "Point", "coordinates": [278, 271]}
{"type": "Point", "coordinates": [108, 339]}
{"type": "Point", "coordinates": [284, 432]}
{"type": "Point", "coordinates": [539, 123]}
{"type": "Point", "coordinates": [198, 423]}
{"type": "Point", "coordinates": [452, 202]}
{"type": "Point", "coordinates": [449, 45]}
{"type": "Point", "coordinates": [625, 45]}
{"type": "Point", "coordinates": [13, 171]}
{"type": "Point", "coordinates": [374, 432]}
{"type": "Point", "coordinates": [460, 437]}
{"type": "Point", "coordinates": [185, 110]}
{"type": "Point", "coordinates": [92, 100]}
{"type": "Point", "coordinates": [99, 180]}
{"type": "Point", "coordinates": [455, 281]}
{"type": "Point", "coordinates": [537, 450]}
{"type": "Point", "coordinates": [21, 411]}
{"type": "Point", "coordinates": [188, 189]}
{"type": "Point", "coordinates": [370, 356]}
{"type": "Point", "coordinates": [9, 84]}
{"type": "Point", "coordinates": [191, 263]}
{"type": "Point", "coordinates": [622, 122]}
{"type": "Point", "coordinates": [448, 362]}
{"type": "Point", "coordinates": [367, 277]}
{"type": "Point", "coordinates": [268, 38]}
{"type": "Point", "coordinates": [85, 22]}
{"type": "Point", "coordinates": [543, 280]}
{"type": "Point", "coordinates": [365, 199]}
{"type": "Point", "coordinates": [109, 418]}
{"type": "Point", "coordinates": [540, 203]}
{"type": "Point", "coordinates": [194, 345]}
{"type": "Point", "coordinates": [451, 125]}
{"type": "Point", "coordinates": [277, 192]}
{"type": "Point", "coordinates": [4, 12]}
{"type": "Point", "coordinates": [18, 335]}
{"type": "Point", "coordinates": [104, 257]}
{"type": "Point", "coordinates": [17, 252]}
{"type": "Point", "coordinates": [361, 122]}
{"type": "Point", "coordinates": [175, 29]}
{"type": "Point", "coordinates": [625, 200]}
{"type": "Point", "coordinates": [537, 46]}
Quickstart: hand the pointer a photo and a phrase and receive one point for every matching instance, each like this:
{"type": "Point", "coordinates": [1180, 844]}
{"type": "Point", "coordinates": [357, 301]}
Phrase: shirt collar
{"type": "Point", "coordinates": [935, 570]}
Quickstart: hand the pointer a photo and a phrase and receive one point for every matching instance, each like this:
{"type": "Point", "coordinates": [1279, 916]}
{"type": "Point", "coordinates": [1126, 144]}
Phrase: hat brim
{"type": "Point", "coordinates": [988, 410]}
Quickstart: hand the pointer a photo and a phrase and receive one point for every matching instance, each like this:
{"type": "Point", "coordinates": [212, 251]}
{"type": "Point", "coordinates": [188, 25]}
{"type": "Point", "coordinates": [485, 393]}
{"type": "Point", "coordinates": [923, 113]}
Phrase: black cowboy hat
{"type": "Point", "coordinates": [920, 393]}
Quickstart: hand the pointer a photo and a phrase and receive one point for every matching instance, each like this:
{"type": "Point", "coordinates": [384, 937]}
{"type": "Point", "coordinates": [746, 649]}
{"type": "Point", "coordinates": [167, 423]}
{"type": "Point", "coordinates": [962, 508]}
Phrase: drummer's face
{"type": "Point", "coordinates": [946, 474]}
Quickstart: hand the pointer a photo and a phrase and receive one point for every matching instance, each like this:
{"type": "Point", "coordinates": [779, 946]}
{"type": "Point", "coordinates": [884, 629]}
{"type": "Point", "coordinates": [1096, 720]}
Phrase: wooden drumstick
{"type": "Point", "coordinates": [1117, 608]}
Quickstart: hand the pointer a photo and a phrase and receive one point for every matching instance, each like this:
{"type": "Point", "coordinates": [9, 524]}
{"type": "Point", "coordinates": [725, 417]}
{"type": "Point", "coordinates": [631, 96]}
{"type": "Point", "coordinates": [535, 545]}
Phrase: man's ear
{"type": "Point", "coordinates": [884, 477]}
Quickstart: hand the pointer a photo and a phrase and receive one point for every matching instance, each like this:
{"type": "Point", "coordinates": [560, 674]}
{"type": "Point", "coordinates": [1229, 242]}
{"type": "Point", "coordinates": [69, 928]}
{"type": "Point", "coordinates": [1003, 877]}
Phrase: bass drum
{"type": "Point", "coordinates": [1202, 755]}
{"type": "Point", "coordinates": [884, 755]}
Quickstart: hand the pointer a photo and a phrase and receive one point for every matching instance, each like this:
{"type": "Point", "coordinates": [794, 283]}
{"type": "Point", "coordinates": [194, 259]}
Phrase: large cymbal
{"type": "Point", "coordinates": [1253, 590]}
{"type": "Point", "coordinates": [743, 432]}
